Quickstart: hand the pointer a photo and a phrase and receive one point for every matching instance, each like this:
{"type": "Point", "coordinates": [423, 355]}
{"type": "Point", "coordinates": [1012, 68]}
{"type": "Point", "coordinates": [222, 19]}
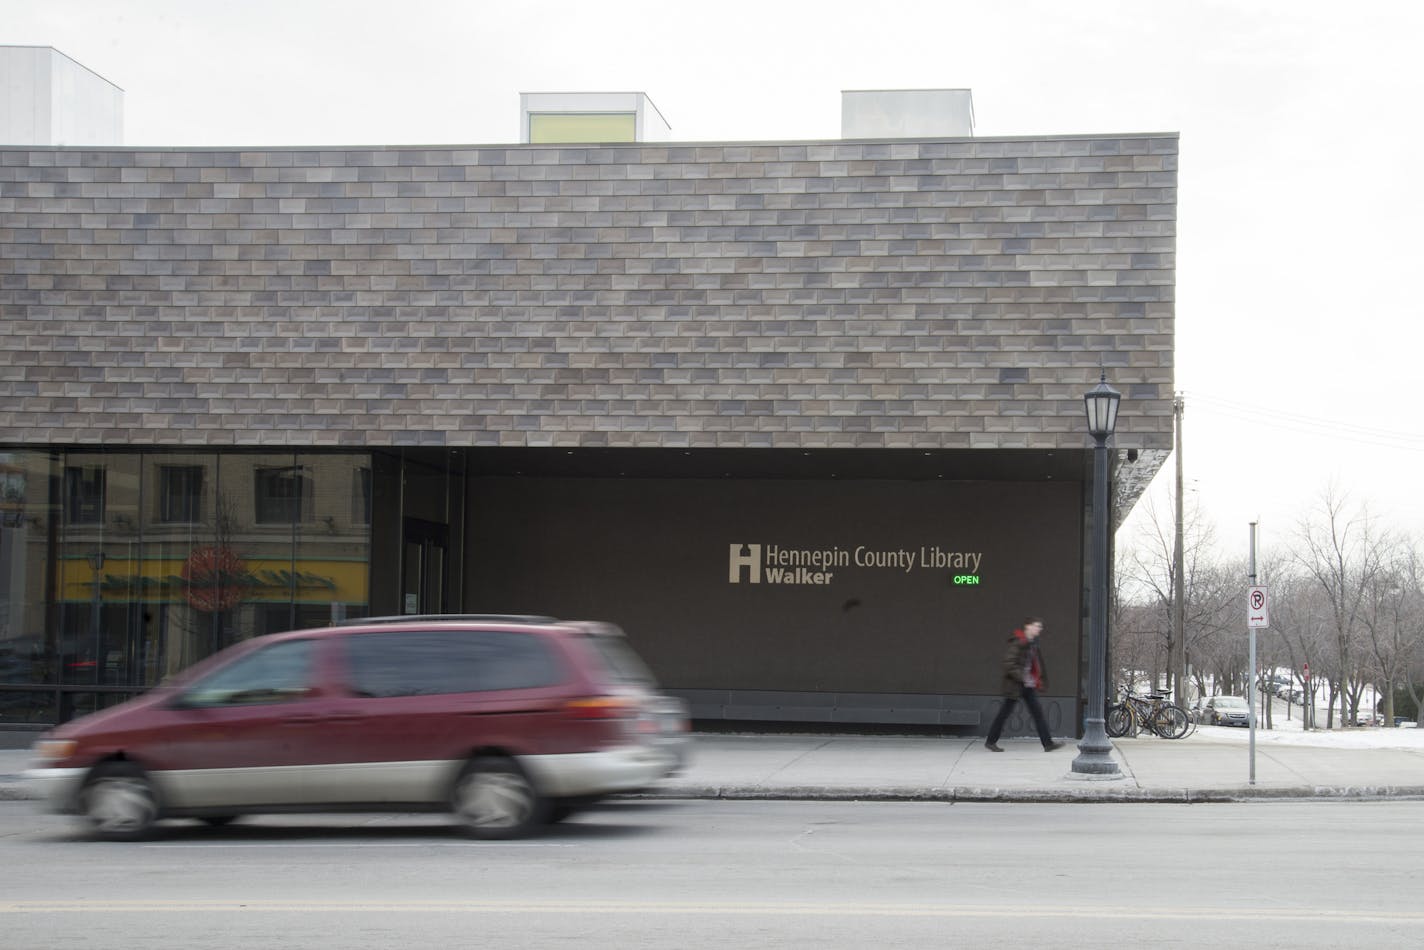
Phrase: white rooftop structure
{"type": "Point", "coordinates": [46, 98]}
{"type": "Point", "coordinates": [906, 113]}
{"type": "Point", "coordinates": [590, 117]}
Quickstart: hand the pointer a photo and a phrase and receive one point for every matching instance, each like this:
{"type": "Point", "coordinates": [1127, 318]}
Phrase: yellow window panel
{"type": "Point", "coordinates": [551, 128]}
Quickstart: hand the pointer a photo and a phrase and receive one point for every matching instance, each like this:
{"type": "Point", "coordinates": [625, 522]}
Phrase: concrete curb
{"type": "Point", "coordinates": [12, 788]}
{"type": "Point", "coordinates": [1088, 795]}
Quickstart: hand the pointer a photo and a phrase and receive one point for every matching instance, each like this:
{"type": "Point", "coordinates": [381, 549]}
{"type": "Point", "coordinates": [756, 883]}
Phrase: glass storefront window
{"type": "Point", "coordinates": [118, 569]}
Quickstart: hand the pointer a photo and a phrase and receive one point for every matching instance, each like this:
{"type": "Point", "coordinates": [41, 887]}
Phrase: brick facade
{"type": "Point", "coordinates": [910, 294]}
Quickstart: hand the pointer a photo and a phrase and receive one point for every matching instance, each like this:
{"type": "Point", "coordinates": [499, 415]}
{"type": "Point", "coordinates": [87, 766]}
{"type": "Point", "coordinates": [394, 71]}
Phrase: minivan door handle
{"type": "Point", "coordinates": [510, 710]}
{"type": "Point", "coordinates": [307, 719]}
{"type": "Point", "coordinates": [304, 720]}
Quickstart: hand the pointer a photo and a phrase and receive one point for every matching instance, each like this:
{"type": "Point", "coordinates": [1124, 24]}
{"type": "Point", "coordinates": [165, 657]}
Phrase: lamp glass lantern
{"type": "Point", "coordinates": [1101, 403]}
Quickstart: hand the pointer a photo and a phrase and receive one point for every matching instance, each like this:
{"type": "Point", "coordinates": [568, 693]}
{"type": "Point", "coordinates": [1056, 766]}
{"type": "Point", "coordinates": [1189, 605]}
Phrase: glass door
{"type": "Point", "coordinates": [423, 567]}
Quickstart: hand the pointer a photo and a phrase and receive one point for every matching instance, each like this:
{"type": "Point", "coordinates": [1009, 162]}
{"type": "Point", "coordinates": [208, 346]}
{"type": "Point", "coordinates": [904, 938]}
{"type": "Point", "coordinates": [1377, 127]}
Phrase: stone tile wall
{"type": "Point", "coordinates": [907, 294]}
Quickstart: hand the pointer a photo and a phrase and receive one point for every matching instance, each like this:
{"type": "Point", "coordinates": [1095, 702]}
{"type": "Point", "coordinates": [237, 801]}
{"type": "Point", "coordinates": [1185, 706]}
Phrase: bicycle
{"type": "Point", "coordinates": [1152, 712]}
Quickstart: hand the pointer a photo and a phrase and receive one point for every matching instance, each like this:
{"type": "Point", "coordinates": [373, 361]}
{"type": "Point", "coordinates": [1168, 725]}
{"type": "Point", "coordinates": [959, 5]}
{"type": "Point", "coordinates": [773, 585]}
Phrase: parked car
{"type": "Point", "coordinates": [1225, 711]}
{"type": "Point", "coordinates": [507, 722]}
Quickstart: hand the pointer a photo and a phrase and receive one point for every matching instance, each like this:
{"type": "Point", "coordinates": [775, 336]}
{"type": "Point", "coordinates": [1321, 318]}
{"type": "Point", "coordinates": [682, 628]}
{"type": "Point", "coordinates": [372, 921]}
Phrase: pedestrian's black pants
{"type": "Point", "coordinates": [1030, 700]}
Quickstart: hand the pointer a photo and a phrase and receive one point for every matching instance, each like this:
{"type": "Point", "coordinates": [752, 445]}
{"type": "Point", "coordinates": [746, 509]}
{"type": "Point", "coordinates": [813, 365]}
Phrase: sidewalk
{"type": "Point", "coordinates": [1212, 764]}
{"type": "Point", "coordinates": [1199, 768]}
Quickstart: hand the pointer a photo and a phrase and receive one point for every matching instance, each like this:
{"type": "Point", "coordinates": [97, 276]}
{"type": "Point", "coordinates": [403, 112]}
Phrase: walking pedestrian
{"type": "Point", "coordinates": [1024, 676]}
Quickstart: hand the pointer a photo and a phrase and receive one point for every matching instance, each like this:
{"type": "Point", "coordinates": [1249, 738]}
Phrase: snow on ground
{"type": "Point", "coordinates": [1289, 732]}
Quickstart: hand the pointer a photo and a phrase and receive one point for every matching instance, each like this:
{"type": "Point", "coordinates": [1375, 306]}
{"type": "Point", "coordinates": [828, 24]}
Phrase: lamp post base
{"type": "Point", "coordinates": [1095, 752]}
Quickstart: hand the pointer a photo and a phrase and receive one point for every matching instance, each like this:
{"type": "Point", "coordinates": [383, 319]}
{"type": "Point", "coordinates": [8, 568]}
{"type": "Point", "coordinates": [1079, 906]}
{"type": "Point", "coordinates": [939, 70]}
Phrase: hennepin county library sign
{"type": "Point", "coordinates": [774, 564]}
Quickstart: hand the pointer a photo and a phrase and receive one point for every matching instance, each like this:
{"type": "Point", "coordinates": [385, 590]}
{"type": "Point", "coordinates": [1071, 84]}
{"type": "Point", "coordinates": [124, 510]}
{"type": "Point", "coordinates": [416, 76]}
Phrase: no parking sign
{"type": "Point", "coordinates": [1258, 612]}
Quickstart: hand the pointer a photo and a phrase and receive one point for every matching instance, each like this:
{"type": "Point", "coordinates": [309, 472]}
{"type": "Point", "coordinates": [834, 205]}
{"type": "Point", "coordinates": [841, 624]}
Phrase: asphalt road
{"type": "Point", "coordinates": [736, 874]}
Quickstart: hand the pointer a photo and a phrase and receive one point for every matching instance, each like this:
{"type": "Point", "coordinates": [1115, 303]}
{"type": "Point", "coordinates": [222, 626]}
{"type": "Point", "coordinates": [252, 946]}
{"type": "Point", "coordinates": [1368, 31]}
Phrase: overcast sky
{"type": "Point", "coordinates": [1298, 317]}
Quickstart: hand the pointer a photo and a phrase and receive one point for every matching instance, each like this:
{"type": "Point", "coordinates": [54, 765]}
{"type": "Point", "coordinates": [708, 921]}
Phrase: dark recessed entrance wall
{"type": "Point", "coordinates": [866, 600]}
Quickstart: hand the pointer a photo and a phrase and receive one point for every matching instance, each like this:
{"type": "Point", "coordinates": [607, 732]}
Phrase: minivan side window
{"type": "Point", "coordinates": [448, 661]}
{"type": "Point", "coordinates": [278, 673]}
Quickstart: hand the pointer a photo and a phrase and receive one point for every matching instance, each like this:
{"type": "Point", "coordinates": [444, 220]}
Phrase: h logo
{"type": "Point", "coordinates": [744, 555]}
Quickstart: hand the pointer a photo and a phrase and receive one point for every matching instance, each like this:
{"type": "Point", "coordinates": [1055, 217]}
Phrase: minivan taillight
{"type": "Point", "coordinates": [601, 707]}
{"type": "Point", "coordinates": [54, 750]}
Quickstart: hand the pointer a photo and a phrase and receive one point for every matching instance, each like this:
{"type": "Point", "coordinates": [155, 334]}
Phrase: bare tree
{"type": "Point", "coordinates": [1149, 571]}
{"type": "Point", "coordinates": [1299, 627]}
{"type": "Point", "coordinates": [1216, 622]}
{"type": "Point", "coordinates": [1392, 623]}
{"type": "Point", "coordinates": [1343, 554]}
{"type": "Point", "coordinates": [1136, 645]}
{"type": "Point", "coordinates": [1414, 685]}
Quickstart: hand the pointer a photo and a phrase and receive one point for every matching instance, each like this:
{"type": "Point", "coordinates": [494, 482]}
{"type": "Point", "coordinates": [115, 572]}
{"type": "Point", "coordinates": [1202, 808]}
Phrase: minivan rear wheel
{"type": "Point", "coordinates": [494, 799]}
{"type": "Point", "coordinates": [119, 802]}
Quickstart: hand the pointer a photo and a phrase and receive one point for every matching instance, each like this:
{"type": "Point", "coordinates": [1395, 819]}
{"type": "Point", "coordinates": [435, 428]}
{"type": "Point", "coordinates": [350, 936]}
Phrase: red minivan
{"type": "Point", "coordinates": [507, 722]}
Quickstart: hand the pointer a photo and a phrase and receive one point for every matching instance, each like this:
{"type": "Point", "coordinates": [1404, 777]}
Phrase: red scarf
{"type": "Point", "coordinates": [1033, 675]}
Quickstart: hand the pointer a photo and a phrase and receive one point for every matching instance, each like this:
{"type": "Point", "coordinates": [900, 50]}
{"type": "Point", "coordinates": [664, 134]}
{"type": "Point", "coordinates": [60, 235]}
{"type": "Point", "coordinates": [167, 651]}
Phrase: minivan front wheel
{"type": "Point", "coordinates": [494, 799]}
{"type": "Point", "coordinates": [119, 802]}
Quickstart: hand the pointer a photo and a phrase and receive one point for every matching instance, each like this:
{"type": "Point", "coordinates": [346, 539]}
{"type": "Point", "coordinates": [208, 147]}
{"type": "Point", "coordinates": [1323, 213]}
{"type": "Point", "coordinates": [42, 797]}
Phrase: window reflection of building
{"type": "Point", "coordinates": [190, 564]}
{"type": "Point", "coordinates": [282, 495]}
{"type": "Point", "coordinates": [84, 494]}
{"type": "Point", "coordinates": [361, 496]}
{"type": "Point", "coordinates": [180, 493]}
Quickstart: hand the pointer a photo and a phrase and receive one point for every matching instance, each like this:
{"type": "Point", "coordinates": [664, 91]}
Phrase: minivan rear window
{"type": "Point", "coordinates": [624, 665]}
{"type": "Point", "coordinates": [431, 662]}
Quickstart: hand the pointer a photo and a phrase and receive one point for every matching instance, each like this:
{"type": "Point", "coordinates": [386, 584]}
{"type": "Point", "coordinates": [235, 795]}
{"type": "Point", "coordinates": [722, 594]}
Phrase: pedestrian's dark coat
{"type": "Point", "coordinates": [1021, 652]}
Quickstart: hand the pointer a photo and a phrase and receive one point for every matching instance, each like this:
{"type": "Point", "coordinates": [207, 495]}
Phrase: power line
{"type": "Point", "coordinates": [1309, 425]}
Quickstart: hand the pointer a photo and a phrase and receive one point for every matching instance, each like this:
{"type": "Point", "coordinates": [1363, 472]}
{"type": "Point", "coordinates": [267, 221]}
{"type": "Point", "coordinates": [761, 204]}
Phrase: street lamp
{"type": "Point", "coordinates": [1095, 751]}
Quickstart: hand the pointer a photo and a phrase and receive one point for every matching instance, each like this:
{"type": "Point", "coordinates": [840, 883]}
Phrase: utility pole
{"type": "Point", "coordinates": [1179, 573]}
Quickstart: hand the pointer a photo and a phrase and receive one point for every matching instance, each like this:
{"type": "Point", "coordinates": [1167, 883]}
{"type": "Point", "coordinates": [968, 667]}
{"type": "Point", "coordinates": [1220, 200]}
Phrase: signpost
{"type": "Point", "coordinates": [1258, 616]}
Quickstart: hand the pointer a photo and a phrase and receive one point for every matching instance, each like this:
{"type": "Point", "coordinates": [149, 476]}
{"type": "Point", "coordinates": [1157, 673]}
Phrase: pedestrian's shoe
{"type": "Point", "coordinates": [1052, 745]}
{"type": "Point", "coordinates": [993, 747]}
